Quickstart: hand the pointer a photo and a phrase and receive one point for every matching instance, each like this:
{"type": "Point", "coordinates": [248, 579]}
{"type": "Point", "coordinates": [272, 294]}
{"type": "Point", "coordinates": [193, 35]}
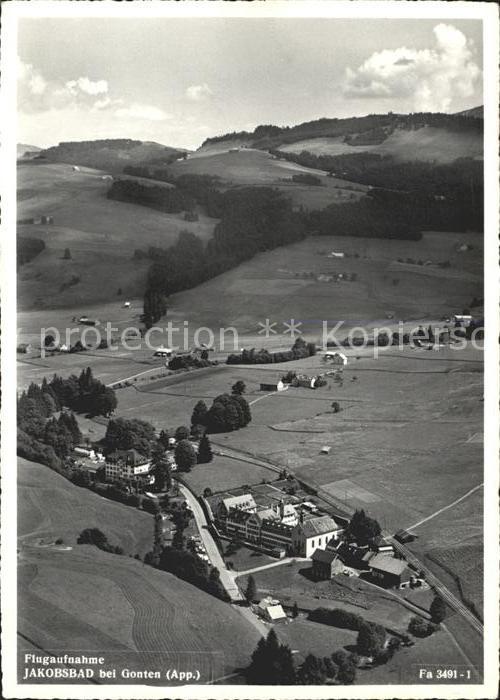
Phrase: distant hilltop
{"type": "Point", "coordinates": [476, 112]}
{"type": "Point", "coordinates": [109, 154]}
{"type": "Point", "coordinates": [372, 129]}
{"type": "Point", "coordinates": [25, 151]}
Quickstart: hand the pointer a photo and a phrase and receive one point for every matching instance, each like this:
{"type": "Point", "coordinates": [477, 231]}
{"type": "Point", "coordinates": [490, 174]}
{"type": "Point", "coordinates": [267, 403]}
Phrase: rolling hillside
{"type": "Point", "coordinates": [77, 597]}
{"type": "Point", "coordinates": [406, 137]}
{"type": "Point", "coordinates": [24, 149]}
{"type": "Point", "coordinates": [101, 234]}
{"type": "Point", "coordinates": [108, 154]}
{"type": "Point", "coordinates": [250, 166]}
{"type": "Point", "coordinates": [427, 144]}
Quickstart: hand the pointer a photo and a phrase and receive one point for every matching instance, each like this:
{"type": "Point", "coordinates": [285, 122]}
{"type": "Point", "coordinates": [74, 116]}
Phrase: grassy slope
{"type": "Point", "coordinates": [51, 507]}
{"type": "Point", "coordinates": [428, 143]}
{"type": "Point", "coordinates": [102, 235]}
{"type": "Point", "coordinates": [254, 167]}
{"type": "Point", "coordinates": [87, 599]}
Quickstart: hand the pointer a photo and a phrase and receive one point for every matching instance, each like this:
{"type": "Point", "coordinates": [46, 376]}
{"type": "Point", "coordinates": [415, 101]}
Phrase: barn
{"type": "Point", "coordinates": [273, 386]}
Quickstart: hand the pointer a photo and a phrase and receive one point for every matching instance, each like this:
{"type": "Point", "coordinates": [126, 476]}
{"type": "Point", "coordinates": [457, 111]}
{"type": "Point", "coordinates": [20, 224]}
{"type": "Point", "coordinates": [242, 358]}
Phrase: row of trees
{"type": "Point", "coordinates": [299, 350]}
{"type": "Point", "coordinates": [189, 567]}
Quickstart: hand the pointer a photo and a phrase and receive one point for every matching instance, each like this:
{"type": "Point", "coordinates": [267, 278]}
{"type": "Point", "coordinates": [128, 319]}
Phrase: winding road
{"type": "Point", "coordinates": [211, 547]}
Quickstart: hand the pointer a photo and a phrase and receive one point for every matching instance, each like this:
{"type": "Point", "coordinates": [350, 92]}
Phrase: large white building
{"type": "Point", "coordinates": [314, 534]}
{"type": "Point", "coordinates": [127, 465]}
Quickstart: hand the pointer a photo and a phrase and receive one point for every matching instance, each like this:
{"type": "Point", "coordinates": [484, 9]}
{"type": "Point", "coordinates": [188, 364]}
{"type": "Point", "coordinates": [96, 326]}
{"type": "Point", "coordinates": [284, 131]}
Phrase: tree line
{"type": "Point", "coordinates": [271, 136]}
{"type": "Point", "coordinates": [252, 220]}
{"type": "Point", "coordinates": [299, 350]}
{"type": "Point", "coordinates": [447, 196]}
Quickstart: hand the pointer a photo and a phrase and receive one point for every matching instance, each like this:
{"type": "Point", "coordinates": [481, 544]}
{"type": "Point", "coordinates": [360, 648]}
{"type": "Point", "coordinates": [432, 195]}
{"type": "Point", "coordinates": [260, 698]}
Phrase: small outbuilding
{"type": "Point", "coordinates": [335, 357]}
{"type": "Point", "coordinates": [273, 386]}
{"type": "Point", "coordinates": [271, 610]}
{"type": "Point", "coordinates": [326, 564]}
{"type": "Point", "coordinates": [163, 352]}
{"type": "Point", "coordinates": [404, 536]}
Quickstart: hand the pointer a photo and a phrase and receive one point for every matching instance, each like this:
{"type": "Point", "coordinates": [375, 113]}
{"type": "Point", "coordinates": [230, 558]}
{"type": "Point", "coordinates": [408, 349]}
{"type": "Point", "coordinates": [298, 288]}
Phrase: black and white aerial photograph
{"type": "Point", "coordinates": [250, 269]}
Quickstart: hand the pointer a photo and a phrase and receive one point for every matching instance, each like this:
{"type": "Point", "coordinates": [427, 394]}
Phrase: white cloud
{"type": "Point", "coordinates": [429, 78]}
{"type": "Point", "coordinates": [37, 95]}
{"type": "Point", "coordinates": [87, 86]}
{"type": "Point", "coordinates": [140, 111]}
{"type": "Point", "coordinates": [197, 93]}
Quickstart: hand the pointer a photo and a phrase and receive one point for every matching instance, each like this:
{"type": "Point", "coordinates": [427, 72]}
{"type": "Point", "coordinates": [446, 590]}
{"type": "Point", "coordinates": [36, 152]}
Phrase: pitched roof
{"type": "Point", "coordinates": [275, 612]}
{"type": "Point", "coordinates": [268, 514]}
{"type": "Point", "coordinates": [324, 556]}
{"type": "Point", "coordinates": [243, 501]}
{"type": "Point", "coordinates": [238, 515]}
{"type": "Point", "coordinates": [389, 565]}
{"type": "Point", "coordinates": [319, 526]}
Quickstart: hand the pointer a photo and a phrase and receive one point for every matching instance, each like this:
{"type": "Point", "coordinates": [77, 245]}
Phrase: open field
{"type": "Point", "coordinates": [82, 598]}
{"type": "Point", "coordinates": [282, 284]}
{"type": "Point", "coordinates": [427, 143]}
{"type": "Point", "coordinates": [306, 637]}
{"type": "Point", "coordinates": [101, 234]}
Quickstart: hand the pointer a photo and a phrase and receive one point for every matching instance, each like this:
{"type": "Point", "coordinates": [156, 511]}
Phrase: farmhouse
{"type": "Point", "coordinates": [127, 465]}
{"type": "Point", "coordinates": [314, 534]}
{"type": "Point", "coordinates": [275, 386]}
{"type": "Point", "coordinates": [336, 358]}
{"type": "Point", "coordinates": [305, 381]}
{"type": "Point", "coordinates": [325, 564]}
{"type": "Point", "coordinates": [390, 572]}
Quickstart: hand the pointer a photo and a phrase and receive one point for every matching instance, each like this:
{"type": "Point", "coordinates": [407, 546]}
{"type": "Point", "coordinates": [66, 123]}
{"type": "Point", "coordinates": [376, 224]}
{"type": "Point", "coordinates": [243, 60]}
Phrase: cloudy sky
{"type": "Point", "coordinates": [177, 81]}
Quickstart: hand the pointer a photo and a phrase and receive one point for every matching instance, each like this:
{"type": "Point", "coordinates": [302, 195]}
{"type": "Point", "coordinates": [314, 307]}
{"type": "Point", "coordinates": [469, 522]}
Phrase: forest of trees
{"type": "Point", "coordinates": [167, 199]}
{"type": "Point", "coordinates": [43, 438]}
{"type": "Point", "coordinates": [407, 196]}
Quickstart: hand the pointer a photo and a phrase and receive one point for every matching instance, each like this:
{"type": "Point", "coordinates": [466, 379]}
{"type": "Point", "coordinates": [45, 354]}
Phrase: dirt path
{"type": "Point", "coordinates": [450, 505]}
